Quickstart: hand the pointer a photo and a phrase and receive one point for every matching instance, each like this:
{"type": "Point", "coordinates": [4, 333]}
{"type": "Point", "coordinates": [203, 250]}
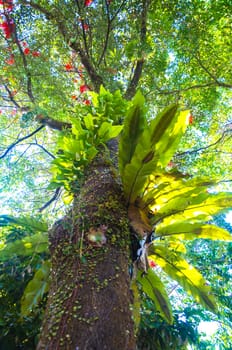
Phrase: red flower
{"type": "Point", "coordinates": [26, 51]}
{"type": "Point", "coordinates": [8, 4]}
{"type": "Point", "coordinates": [85, 26]}
{"type": "Point", "coordinates": [10, 60]}
{"type": "Point", "coordinates": [190, 120]}
{"type": "Point", "coordinates": [87, 102]}
{"type": "Point", "coordinates": [8, 28]}
{"type": "Point", "coordinates": [88, 2]}
{"type": "Point", "coordinates": [36, 53]}
{"type": "Point", "coordinates": [68, 66]}
{"type": "Point", "coordinates": [171, 164]}
{"type": "Point", "coordinates": [83, 88]}
{"type": "Point", "coordinates": [152, 263]}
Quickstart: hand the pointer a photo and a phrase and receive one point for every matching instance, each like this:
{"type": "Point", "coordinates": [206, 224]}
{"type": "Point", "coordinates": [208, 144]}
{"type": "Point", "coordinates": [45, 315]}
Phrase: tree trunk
{"type": "Point", "coordinates": [89, 303]}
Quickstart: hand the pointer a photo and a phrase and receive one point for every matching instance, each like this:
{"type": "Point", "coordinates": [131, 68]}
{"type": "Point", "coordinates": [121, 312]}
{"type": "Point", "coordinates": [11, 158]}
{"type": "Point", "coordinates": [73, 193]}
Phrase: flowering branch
{"type": "Point", "coordinates": [95, 78]}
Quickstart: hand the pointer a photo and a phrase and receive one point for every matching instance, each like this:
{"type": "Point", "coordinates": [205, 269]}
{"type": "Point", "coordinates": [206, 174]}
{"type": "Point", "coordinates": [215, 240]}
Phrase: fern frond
{"type": "Point", "coordinates": [133, 127]}
{"type": "Point", "coordinates": [186, 275]}
{"type": "Point", "coordinates": [154, 288]}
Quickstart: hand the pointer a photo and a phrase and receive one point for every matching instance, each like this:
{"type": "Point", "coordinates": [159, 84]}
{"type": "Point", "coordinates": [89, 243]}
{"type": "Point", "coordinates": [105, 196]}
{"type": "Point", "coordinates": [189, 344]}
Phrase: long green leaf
{"type": "Point", "coordinates": [37, 243]}
{"type": "Point", "coordinates": [154, 149]}
{"type": "Point", "coordinates": [187, 230]}
{"type": "Point", "coordinates": [134, 124]}
{"type": "Point", "coordinates": [167, 132]}
{"type": "Point", "coordinates": [28, 222]}
{"type": "Point", "coordinates": [154, 288]}
{"type": "Point", "coordinates": [186, 275]}
{"type": "Point", "coordinates": [195, 208]}
{"type": "Point", "coordinates": [35, 289]}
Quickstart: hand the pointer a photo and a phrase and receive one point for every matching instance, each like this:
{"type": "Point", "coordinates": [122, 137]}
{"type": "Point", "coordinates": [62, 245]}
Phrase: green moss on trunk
{"type": "Point", "coordinates": [89, 300]}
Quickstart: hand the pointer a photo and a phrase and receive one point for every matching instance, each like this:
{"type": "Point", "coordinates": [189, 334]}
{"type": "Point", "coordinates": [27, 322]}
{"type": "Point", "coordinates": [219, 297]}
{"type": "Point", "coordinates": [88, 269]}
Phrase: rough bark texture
{"type": "Point", "coordinates": [89, 300]}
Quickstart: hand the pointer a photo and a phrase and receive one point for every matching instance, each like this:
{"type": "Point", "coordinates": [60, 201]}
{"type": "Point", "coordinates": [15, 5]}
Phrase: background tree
{"type": "Point", "coordinates": [47, 81]}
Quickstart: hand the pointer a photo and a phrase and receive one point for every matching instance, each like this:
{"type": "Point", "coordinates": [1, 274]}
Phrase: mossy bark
{"type": "Point", "coordinates": [89, 303]}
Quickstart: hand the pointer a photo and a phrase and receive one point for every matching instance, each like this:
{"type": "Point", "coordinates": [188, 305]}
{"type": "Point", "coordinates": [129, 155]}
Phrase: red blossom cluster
{"type": "Point", "coordinates": [10, 60]}
{"type": "Point", "coordinates": [87, 102]}
{"type": "Point", "coordinates": [83, 88]}
{"type": "Point", "coordinates": [190, 120]}
{"type": "Point", "coordinates": [69, 66]}
{"type": "Point", "coordinates": [8, 28]}
{"type": "Point", "coordinates": [88, 2]}
{"type": "Point", "coordinates": [7, 25]}
{"type": "Point", "coordinates": [152, 264]}
{"type": "Point", "coordinates": [85, 26]}
{"type": "Point", "coordinates": [27, 51]}
{"type": "Point", "coordinates": [7, 5]}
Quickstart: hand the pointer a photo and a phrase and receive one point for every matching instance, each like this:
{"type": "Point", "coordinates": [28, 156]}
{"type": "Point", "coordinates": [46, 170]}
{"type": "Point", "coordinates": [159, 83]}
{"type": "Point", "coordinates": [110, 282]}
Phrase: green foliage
{"type": "Point", "coordinates": [133, 127]}
{"type": "Point", "coordinates": [35, 290]}
{"type": "Point", "coordinates": [186, 53]}
{"type": "Point", "coordinates": [27, 222]}
{"type": "Point", "coordinates": [90, 132]}
{"type": "Point", "coordinates": [187, 230]}
{"type": "Point", "coordinates": [16, 271]}
{"type": "Point", "coordinates": [154, 289]}
{"type": "Point", "coordinates": [155, 333]}
{"type": "Point", "coordinates": [173, 205]}
{"type": "Point", "coordinates": [27, 246]}
{"type": "Point", "coordinates": [186, 275]}
{"type": "Point", "coordinates": [155, 145]}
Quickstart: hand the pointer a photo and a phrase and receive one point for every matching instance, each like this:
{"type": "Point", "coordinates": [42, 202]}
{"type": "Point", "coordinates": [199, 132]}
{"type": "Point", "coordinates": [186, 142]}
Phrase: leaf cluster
{"type": "Point", "coordinates": [166, 207]}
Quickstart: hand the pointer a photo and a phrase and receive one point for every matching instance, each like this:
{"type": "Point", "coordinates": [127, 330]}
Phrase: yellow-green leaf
{"type": "Point", "coordinates": [28, 245]}
{"type": "Point", "coordinates": [134, 124]}
{"type": "Point", "coordinates": [186, 275]}
{"type": "Point", "coordinates": [35, 289]}
{"type": "Point", "coordinates": [187, 230]}
{"type": "Point", "coordinates": [154, 288]}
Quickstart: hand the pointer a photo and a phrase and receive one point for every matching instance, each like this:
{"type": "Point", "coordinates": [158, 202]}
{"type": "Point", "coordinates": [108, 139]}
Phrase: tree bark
{"type": "Point", "coordinates": [89, 303]}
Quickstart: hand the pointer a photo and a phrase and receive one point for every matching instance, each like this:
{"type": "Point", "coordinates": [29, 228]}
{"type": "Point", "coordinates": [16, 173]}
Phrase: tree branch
{"type": "Point", "coordinates": [205, 147]}
{"type": "Point", "coordinates": [28, 74]}
{"type": "Point", "coordinates": [43, 148]}
{"type": "Point", "coordinates": [38, 7]}
{"type": "Point", "coordinates": [95, 78]}
{"type": "Point", "coordinates": [20, 140]}
{"type": "Point", "coordinates": [54, 197]}
{"type": "Point", "coordinates": [179, 91]}
{"type": "Point", "coordinates": [212, 75]}
{"type": "Point", "coordinates": [52, 123]}
{"type": "Point", "coordinates": [11, 97]}
{"type": "Point", "coordinates": [131, 89]}
{"type": "Point", "coordinates": [107, 33]}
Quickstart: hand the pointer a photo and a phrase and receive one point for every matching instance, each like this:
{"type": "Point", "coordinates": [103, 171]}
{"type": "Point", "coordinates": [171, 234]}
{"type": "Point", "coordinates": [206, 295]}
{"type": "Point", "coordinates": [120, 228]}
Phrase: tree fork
{"type": "Point", "coordinates": [89, 300]}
